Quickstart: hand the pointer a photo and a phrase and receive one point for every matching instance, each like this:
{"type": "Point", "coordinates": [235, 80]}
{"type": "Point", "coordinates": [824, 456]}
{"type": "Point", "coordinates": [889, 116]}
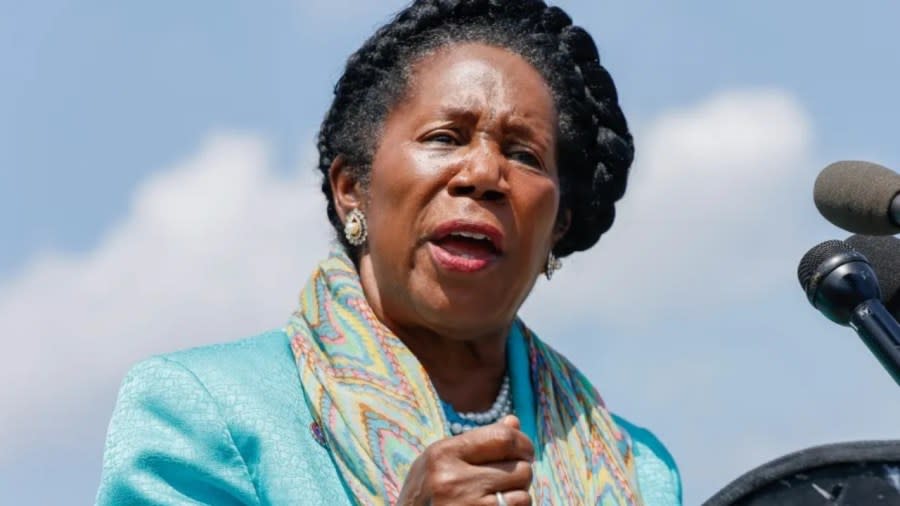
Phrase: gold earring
{"type": "Point", "coordinates": [553, 264]}
{"type": "Point", "coordinates": [355, 228]}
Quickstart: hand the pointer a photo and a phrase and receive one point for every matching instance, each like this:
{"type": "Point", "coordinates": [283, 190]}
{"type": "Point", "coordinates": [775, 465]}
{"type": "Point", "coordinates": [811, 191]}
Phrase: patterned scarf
{"type": "Point", "coordinates": [377, 409]}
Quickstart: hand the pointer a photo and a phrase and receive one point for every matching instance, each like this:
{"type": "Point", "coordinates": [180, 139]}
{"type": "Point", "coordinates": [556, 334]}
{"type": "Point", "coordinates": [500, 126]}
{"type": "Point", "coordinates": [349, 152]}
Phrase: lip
{"type": "Point", "coordinates": [465, 263]}
{"type": "Point", "coordinates": [448, 227]}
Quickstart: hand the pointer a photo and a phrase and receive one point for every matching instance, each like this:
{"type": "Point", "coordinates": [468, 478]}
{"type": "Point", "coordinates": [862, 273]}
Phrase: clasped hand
{"type": "Point", "coordinates": [471, 468]}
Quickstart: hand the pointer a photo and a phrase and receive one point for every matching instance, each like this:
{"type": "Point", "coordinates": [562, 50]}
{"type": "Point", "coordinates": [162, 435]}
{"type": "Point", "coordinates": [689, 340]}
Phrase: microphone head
{"type": "Point", "coordinates": [821, 260]}
{"type": "Point", "coordinates": [837, 279]}
{"type": "Point", "coordinates": [883, 253]}
{"type": "Point", "coordinates": [856, 196]}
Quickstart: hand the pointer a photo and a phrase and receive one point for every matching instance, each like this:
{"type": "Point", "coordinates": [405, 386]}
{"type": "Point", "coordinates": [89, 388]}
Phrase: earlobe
{"type": "Point", "coordinates": [345, 187]}
{"type": "Point", "coordinates": [563, 221]}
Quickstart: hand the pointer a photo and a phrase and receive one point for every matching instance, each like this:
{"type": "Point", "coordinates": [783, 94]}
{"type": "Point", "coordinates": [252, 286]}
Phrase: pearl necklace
{"type": "Point", "coordinates": [502, 406]}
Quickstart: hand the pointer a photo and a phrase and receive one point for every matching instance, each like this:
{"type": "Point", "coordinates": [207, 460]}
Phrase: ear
{"type": "Point", "coordinates": [563, 222]}
{"type": "Point", "coordinates": [345, 188]}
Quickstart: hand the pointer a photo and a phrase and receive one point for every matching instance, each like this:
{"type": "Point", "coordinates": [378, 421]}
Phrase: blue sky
{"type": "Point", "coordinates": [149, 150]}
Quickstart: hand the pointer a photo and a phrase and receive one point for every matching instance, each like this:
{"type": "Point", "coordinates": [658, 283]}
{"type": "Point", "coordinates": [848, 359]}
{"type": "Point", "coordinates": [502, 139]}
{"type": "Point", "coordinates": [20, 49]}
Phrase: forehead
{"type": "Point", "coordinates": [478, 76]}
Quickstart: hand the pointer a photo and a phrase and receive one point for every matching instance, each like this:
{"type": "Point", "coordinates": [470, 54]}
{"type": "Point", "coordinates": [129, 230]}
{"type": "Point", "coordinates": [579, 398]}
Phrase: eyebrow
{"type": "Point", "coordinates": [515, 126]}
{"type": "Point", "coordinates": [519, 127]}
{"type": "Point", "coordinates": [459, 113]}
{"type": "Point", "coordinates": [525, 130]}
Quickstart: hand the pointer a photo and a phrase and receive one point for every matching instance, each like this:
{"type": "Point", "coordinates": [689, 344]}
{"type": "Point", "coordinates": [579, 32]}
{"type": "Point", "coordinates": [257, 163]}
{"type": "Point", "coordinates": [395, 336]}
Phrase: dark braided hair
{"type": "Point", "coordinates": [594, 150]}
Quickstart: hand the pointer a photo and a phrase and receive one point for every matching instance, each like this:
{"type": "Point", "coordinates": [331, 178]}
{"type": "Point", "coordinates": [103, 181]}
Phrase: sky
{"type": "Point", "coordinates": [157, 192]}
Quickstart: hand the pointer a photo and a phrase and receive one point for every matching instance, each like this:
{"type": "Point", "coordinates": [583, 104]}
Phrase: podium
{"type": "Point", "coordinates": [864, 473]}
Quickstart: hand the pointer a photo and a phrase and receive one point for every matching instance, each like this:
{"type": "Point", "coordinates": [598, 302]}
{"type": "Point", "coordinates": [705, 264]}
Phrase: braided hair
{"type": "Point", "coordinates": [594, 147]}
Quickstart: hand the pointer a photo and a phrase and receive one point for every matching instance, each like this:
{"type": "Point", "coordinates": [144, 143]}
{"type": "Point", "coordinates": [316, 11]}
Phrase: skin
{"type": "Point", "coordinates": [471, 468]}
{"type": "Point", "coordinates": [474, 139]}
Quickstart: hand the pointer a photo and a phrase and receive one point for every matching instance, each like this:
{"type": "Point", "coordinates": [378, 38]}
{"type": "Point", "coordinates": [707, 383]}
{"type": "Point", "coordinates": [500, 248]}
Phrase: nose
{"type": "Point", "coordinates": [482, 175]}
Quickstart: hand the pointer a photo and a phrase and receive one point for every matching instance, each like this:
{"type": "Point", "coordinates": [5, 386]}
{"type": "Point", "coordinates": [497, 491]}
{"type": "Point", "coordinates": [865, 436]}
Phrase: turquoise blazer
{"type": "Point", "coordinates": [228, 425]}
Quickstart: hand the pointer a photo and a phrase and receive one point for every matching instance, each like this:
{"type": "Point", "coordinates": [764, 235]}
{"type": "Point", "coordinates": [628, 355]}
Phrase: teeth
{"type": "Point", "coordinates": [471, 235]}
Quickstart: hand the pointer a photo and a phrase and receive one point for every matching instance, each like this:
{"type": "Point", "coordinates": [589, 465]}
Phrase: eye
{"type": "Point", "coordinates": [526, 157]}
{"type": "Point", "coordinates": [444, 137]}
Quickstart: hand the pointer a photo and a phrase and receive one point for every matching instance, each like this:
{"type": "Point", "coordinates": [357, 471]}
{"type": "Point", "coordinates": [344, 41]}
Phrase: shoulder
{"type": "Point", "coordinates": [197, 425]}
{"type": "Point", "coordinates": [239, 357]}
{"type": "Point", "coordinates": [657, 472]}
{"type": "Point", "coordinates": [171, 426]}
{"type": "Point", "coordinates": [250, 381]}
{"type": "Point", "coordinates": [263, 364]}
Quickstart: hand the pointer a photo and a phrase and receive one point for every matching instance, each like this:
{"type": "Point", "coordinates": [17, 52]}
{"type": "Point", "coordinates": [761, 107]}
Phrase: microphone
{"type": "Point", "coordinates": [859, 197]}
{"type": "Point", "coordinates": [883, 253]}
{"type": "Point", "coordinates": [840, 283]}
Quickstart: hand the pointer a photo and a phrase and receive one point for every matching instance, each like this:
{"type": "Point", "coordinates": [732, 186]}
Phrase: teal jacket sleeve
{"type": "Point", "coordinates": [657, 473]}
{"type": "Point", "coordinates": [169, 444]}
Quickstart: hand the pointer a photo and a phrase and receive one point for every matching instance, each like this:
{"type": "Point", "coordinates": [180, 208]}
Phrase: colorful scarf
{"type": "Point", "coordinates": [377, 409]}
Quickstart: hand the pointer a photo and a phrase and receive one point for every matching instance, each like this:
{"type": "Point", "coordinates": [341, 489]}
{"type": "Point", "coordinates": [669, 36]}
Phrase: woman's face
{"type": "Point", "coordinates": [463, 195]}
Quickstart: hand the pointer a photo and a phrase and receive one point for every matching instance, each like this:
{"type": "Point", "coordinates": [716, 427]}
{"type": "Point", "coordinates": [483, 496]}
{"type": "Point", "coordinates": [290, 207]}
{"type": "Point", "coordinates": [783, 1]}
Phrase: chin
{"type": "Point", "coordinates": [471, 316]}
{"type": "Point", "coordinates": [474, 329]}
{"type": "Point", "coordinates": [464, 305]}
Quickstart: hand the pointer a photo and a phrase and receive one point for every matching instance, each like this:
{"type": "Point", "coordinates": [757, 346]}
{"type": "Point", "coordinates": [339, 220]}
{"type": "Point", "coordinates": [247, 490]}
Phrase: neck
{"type": "Point", "coordinates": [466, 374]}
{"type": "Point", "coordinates": [466, 367]}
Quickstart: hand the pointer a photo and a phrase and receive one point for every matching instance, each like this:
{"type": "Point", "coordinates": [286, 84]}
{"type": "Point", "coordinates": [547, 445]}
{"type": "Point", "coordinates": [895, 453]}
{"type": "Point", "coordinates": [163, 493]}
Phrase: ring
{"type": "Point", "coordinates": [500, 500]}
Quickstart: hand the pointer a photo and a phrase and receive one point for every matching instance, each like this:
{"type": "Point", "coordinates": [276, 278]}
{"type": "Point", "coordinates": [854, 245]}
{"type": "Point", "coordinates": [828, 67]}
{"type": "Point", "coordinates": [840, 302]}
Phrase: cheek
{"type": "Point", "coordinates": [401, 177]}
{"type": "Point", "coordinates": [399, 192]}
{"type": "Point", "coordinates": [542, 206]}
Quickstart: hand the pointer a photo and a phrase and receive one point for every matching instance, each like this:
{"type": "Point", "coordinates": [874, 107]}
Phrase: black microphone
{"type": "Point", "coordinates": [883, 253]}
{"type": "Point", "coordinates": [840, 283]}
{"type": "Point", "coordinates": [859, 197]}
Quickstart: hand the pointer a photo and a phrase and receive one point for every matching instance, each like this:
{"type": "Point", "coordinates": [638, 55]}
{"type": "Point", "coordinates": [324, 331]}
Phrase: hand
{"type": "Point", "coordinates": [472, 467]}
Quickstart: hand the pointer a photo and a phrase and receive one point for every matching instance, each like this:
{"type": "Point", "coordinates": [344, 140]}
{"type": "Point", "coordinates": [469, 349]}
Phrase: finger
{"type": "Point", "coordinates": [517, 497]}
{"type": "Point", "coordinates": [493, 443]}
{"type": "Point", "coordinates": [511, 421]}
{"type": "Point", "coordinates": [507, 475]}
{"type": "Point", "coordinates": [512, 498]}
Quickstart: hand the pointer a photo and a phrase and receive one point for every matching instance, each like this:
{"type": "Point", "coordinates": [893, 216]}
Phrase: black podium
{"type": "Point", "coordinates": [865, 473]}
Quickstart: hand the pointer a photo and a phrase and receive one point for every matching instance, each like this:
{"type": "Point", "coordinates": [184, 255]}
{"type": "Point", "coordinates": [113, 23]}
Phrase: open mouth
{"type": "Point", "coordinates": [467, 244]}
{"type": "Point", "coordinates": [466, 247]}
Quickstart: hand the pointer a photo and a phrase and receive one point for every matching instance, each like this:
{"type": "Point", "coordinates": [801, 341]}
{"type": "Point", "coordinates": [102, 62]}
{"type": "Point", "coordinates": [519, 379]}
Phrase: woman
{"type": "Point", "coordinates": [470, 144]}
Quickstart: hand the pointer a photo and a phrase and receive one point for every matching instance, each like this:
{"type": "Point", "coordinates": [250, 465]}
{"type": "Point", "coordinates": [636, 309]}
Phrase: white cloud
{"type": "Point", "coordinates": [214, 248]}
{"type": "Point", "coordinates": [709, 198]}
